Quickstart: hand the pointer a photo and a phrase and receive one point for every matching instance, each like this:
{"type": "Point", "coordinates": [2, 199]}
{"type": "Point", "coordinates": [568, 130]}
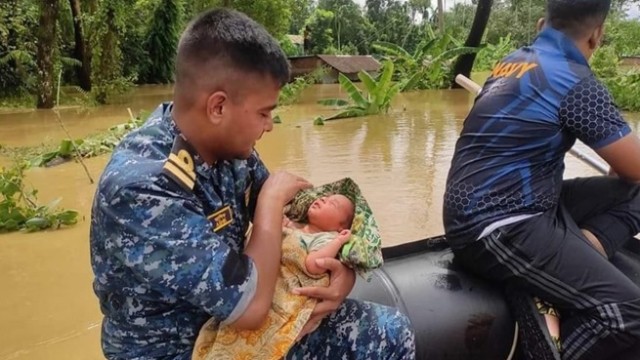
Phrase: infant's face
{"type": "Point", "coordinates": [331, 213]}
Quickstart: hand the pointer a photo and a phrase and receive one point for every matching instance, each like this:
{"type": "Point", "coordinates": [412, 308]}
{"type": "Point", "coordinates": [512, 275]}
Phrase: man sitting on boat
{"type": "Point", "coordinates": [509, 215]}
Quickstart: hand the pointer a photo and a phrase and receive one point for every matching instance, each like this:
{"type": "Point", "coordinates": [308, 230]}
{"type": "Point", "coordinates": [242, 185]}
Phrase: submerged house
{"type": "Point", "coordinates": [349, 65]}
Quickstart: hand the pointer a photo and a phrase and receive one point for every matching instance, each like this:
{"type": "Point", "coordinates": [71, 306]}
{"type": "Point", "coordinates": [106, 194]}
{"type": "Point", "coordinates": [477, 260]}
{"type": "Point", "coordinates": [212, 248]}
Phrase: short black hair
{"type": "Point", "coordinates": [221, 39]}
{"type": "Point", "coordinates": [577, 18]}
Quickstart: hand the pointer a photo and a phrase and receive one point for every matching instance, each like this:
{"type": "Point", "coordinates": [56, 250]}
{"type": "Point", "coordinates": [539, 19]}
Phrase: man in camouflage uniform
{"type": "Point", "coordinates": [175, 202]}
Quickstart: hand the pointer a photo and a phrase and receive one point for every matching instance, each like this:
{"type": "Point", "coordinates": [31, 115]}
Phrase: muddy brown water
{"type": "Point", "coordinates": [400, 160]}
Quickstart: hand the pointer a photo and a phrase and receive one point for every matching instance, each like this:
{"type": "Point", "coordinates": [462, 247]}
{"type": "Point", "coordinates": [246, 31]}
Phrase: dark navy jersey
{"type": "Point", "coordinates": [509, 159]}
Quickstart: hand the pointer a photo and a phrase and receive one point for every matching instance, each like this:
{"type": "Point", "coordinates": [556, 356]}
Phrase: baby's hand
{"type": "Point", "coordinates": [344, 236]}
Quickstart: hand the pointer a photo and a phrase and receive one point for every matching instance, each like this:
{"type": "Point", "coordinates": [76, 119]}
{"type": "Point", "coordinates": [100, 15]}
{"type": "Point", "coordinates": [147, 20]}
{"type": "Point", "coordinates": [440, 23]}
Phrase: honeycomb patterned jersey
{"type": "Point", "coordinates": [509, 159]}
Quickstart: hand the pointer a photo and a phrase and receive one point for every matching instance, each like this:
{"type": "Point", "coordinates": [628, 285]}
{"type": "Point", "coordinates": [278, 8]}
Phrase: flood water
{"type": "Point", "coordinates": [400, 160]}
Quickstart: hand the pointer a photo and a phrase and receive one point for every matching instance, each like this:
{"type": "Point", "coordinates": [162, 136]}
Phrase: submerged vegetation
{"type": "Point", "coordinates": [375, 99]}
{"type": "Point", "coordinates": [67, 149]}
{"type": "Point", "coordinates": [19, 208]}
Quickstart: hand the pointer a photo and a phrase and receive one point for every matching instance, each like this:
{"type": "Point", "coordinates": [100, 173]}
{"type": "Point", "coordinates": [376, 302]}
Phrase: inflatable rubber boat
{"type": "Point", "coordinates": [456, 316]}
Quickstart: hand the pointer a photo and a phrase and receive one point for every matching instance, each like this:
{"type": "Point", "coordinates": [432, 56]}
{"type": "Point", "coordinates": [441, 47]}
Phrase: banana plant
{"type": "Point", "coordinates": [376, 97]}
{"type": "Point", "coordinates": [430, 62]}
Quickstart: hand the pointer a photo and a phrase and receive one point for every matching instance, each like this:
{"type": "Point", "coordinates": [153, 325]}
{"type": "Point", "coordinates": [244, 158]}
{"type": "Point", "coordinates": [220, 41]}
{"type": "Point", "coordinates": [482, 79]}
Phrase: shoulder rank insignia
{"type": "Point", "coordinates": [221, 218]}
{"type": "Point", "coordinates": [180, 165]}
{"type": "Point", "coordinates": [247, 194]}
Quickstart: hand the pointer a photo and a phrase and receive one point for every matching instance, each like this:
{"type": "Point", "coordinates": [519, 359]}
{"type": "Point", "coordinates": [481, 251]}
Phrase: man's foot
{"type": "Point", "coordinates": [535, 340]}
{"type": "Point", "coordinates": [552, 319]}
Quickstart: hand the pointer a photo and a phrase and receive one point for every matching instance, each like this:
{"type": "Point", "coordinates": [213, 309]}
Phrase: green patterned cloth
{"type": "Point", "coordinates": [363, 252]}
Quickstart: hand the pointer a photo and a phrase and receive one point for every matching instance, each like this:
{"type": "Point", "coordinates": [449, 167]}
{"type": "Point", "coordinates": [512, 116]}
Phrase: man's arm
{"type": "Point", "coordinates": [624, 157]}
{"type": "Point", "coordinates": [265, 244]}
{"type": "Point", "coordinates": [165, 240]}
{"type": "Point", "coordinates": [268, 196]}
{"type": "Point", "coordinates": [588, 111]}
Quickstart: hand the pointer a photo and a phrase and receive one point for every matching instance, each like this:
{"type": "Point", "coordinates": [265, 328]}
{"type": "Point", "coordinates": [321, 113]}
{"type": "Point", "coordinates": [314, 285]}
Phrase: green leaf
{"type": "Point", "coordinates": [68, 217]}
{"type": "Point", "coordinates": [277, 119]}
{"type": "Point", "coordinates": [410, 83]}
{"type": "Point", "coordinates": [318, 121]}
{"type": "Point", "coordinates": [354, 93]}
{"type": "Point", "coordinates": [395, 89]}
{"type": "Point", "coordinates": [423, 49]}
{"type": "Point", "coordinates": [368, 81]}
{"type": "Point", "coordinates": [349, 113]}
{"type": "Point", "coordinates": [19, 56]}
{"type": "Point", "coordinates": [333, 102]}
{"type": "Point", "coordinates": [392, 49]}
{"type": "Point", "coordinates": [450, 54]}
{"type": "Point", "coordinates": [66, 148]}
{"type": "Point", "coordinates": [11, 225]}
{"type": "Point", "coordinates": [70, 62]}
{"type": "Point", "coordinates": [37, 223]}
{"type": "Point", "coordinates": [383, 84]}
{"type": "Point", "coordinates": [9, 189]}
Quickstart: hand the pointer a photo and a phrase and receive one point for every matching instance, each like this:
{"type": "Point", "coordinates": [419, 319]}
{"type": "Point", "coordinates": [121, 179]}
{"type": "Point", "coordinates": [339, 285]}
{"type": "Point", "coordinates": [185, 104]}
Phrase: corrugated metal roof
{"type": "Point", "coordinates": [350, 64]}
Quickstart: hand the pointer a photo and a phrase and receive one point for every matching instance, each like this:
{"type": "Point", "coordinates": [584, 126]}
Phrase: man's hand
{"type": "Point", "coordinates": [282, 186]}
{"type": "Point", "coordinates": [331, 297]}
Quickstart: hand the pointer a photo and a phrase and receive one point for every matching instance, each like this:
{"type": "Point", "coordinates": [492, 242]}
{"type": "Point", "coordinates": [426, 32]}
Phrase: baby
{"type": "Point", "coordinates": [329, 219]}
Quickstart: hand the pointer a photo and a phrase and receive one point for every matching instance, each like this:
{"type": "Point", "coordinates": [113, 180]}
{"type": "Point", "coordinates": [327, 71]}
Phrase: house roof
{"type": "Point", "coordinates": [350, 64]}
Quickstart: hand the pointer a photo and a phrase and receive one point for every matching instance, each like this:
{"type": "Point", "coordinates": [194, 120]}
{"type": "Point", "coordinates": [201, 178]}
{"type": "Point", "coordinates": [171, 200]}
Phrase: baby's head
{"type": "Point", "coordinates": [331, 213]}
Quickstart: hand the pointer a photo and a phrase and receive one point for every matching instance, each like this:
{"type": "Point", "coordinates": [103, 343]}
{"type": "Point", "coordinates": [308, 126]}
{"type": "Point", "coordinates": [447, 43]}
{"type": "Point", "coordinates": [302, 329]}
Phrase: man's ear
{"type": "Point", "coordinates": [216, 103]}
{"type": "Point", "coordinates": [596, 37]}
{"type": "Point", "coordinates": [540, 24]}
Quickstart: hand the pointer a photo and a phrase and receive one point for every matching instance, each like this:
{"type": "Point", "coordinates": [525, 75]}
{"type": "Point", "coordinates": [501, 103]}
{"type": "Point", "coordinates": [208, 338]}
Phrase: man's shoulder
{"type": "Point", "coordinates": [140, 157]}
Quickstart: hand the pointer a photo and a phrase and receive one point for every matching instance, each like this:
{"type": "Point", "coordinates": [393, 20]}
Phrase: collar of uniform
{"type": "Point", "coordinates": [550, 39]}
{"type": "Point", "coordinates": [201, 167]}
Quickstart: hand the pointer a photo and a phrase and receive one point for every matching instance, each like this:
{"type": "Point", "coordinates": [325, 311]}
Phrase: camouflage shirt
{"type": "Point", "coordinates": [167, 234]}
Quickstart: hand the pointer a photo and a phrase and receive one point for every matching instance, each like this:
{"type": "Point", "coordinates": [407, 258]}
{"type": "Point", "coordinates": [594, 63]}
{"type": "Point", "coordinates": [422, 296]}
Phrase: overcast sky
{"type": "Point", "coordinates": [634, 11]}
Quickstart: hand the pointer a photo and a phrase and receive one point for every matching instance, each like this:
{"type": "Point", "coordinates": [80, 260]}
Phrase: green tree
{"type": "Point", "coordinates": [516, 17]}
{"type": "Point", "coordinates": [320, 26]}
{"type": "Point", "coordinates": [349, 28]}
{"type": "Point", "coordinates": [274, 15]}
{"type": "Point", "coordinates": [45, 55]}
{"type": "Point", "coordinates": [300, 12]}
{"type": "Point", "coordinates": [135, 58]}
{"type": "Point", "coordinates": [18, 26]}
{"type": "Point", "coordinates": [162, 41]}
{"type": "Point", "coordinates": [108, 24]}
{"type": "Point", "coordinates": [391, 20]}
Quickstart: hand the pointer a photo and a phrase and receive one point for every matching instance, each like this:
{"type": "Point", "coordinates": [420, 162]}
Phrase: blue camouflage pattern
{"type": "Point", "coordinates": [167, 238]}
{"type": "Point", "coordinates": [358, 331]}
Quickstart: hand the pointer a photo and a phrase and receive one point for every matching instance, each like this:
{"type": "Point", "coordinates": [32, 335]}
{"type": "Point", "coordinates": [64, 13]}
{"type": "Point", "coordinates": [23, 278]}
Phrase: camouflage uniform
{"type": "Point", "coordinates": [167, 234]}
